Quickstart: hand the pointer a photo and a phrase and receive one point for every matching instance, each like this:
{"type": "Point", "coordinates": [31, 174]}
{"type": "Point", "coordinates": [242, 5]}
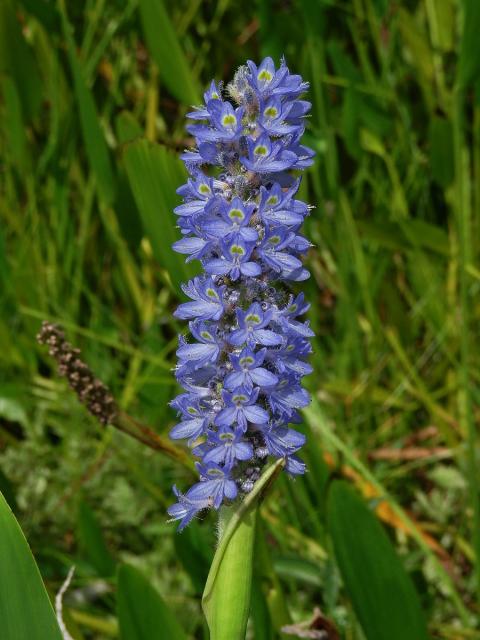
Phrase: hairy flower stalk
{"type": "Point", "coordinates": [242, 366]}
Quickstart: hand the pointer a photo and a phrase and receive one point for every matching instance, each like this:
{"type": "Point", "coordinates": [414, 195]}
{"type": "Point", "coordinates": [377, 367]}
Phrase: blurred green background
{"type": "Point", "coordinates": [92, 102]}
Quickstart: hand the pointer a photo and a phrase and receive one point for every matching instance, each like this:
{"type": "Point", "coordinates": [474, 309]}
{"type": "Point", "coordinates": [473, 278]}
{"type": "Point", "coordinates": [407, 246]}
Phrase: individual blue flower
{"type": "Point", "coordinates": [235, 260]}
{"type": "Point", "coordinates": [247, 370]}
{"type": "Point", "coordinates": [233, 221]}
{"type": "Point", "coordinates": [251, 328]}
{"type": "Point", "coordinates": [195, 419]}
{"type": "Point", "coordinates": [207, 302]}
{"type": "Point", "coordinates": [265, 156]}
{"type": "Point", "coordinates": [282, 441]}
{"type": "Point", "coordinates": [212, 93]}
{"type": "Point", "coordinates": [216, 484]}
{"type": "Point", "coordinates": [187, 507]}
{"type": "Point", "coordinates": [226, 446]}
{"type": "Point", "coordinates": [240, 407]}
{"type": "Point", "coordinates": [203, 352]}
{"type": "Point", "coordinates": [226, 123]}
{"type": "Point", "coordinates": [288, 396]}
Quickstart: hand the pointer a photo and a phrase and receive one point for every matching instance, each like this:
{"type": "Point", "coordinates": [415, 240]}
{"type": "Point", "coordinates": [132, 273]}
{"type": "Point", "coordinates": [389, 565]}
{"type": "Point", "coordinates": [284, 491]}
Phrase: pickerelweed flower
{"type": "Point", "coordinates": [240, 218]}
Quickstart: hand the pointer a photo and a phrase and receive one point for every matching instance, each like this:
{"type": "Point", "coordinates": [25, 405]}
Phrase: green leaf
{"type": "Point", "coordinates": [226, 598]}
{"type": "Point", "coordinates": [92, 541]}
{"type": "Point", "coordinates": [382, 593]}
{"type": "Point", "coordinates": [17, 60]}
{"type": "Point", "coordinates": [262, 622]}
{"type": "Point", "coordinates": [25, 610]}
{"type": "Point", "coordinates": [95, 144]}
{"type": "Point", "coordinates": [193, 549]}
{"type": "Point", "coordinates": [441, 150]}
{"type": "Point", "coordinates": [12, 410]}
{"type": "Point", "coordinates": [165, 48]}
{"type": "Point", "coordinates": [299, 569]}
{"type": "Point", "coordinates": [142, 614]}
{"type": "Point", "coordinates": [154, 175]}
{"type": "Point", "coordinates": [469, 61]}
{"type": "Point", "coordinates": [13, 124]}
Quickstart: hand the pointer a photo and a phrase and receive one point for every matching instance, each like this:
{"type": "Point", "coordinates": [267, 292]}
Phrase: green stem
{"type": "Point", "coordinates": [226, 598]}
{"type": "Point", "coordinates": [231, 605]}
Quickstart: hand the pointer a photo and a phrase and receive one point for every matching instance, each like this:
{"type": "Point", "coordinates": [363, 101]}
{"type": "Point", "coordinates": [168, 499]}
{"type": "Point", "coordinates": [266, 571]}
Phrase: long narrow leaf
{"type": "Point", "coordinates": [154, 174]}
{"type": "Point", "coordinates": [95, 145]}
{"type": "Point", "coordinates": [25, 610]}
{"type": "Point", "coordinates": [142, 614]}
{"type": "Point", "coordinates": [165, 48]}
{"type": "Point", "coordinates": [381, 591]}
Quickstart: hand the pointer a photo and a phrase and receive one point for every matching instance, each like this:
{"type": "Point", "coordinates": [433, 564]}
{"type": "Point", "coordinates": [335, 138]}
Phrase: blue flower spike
{"type": "Point", "coordinates": [242, 364]}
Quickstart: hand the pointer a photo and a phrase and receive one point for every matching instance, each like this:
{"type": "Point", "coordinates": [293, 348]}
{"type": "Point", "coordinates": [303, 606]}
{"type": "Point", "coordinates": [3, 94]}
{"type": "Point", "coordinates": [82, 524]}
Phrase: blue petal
{"type": "Point", "coordinates": [255, 414]}
{"type": "Point", "coordinates": [250, 269]}
{"type": "Point", "coordinates": [230, 490]}
{"type": "Point", "coordinates": [267, 337]}
{"type": "Point", "coordinates": [187, 429]}
{"type": "Point", "coordinates": [243, 451]}
{"type": "Point", "coordinates": [263, 377]}
{"type": "Point", "coordinates": [189, 245]}
{"type": "Point", "coordinates": [196, 351]}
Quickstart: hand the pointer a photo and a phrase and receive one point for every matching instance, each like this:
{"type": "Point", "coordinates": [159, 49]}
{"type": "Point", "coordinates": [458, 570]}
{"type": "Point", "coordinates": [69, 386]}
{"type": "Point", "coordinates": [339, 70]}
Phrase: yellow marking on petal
{"type": "Point", "coordinates": [229, 120]}
{"type": "Point", "coordinates": [271, 112]}
{"type": "Point", "coordinates": [272, 200]}
{"type": "Point", "coordinates": [260, 150]}
{"type": "Point", "coordinates": [265, 75]}
{"type": "Point", "coordinates": [252, 317]}
{"type": "Point", "coordinates": [236, 214]}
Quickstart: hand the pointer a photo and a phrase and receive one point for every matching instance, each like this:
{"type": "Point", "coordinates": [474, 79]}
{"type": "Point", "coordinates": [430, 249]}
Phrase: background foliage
{"type": "Point", "coordinates": [93, 98]}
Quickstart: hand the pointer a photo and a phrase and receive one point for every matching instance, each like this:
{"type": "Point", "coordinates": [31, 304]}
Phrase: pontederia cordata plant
{"type": "Point", "coordinates": [242, 366]}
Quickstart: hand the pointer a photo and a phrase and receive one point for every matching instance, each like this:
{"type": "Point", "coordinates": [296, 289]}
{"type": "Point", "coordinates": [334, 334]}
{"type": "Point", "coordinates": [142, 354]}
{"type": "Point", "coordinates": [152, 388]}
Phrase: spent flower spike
{"type": "Point", "coordinates": [242, 365]}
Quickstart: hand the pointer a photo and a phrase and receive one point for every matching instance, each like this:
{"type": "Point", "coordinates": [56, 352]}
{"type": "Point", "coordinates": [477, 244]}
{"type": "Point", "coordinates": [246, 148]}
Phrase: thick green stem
{"type": "Point", "coordinates": [228, 613]}
{"type": "Point", "coordinates": [226, 599]}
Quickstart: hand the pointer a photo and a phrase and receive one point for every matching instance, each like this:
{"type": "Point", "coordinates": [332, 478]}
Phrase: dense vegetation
{"type": "Point", "coordinates": [93, 99]}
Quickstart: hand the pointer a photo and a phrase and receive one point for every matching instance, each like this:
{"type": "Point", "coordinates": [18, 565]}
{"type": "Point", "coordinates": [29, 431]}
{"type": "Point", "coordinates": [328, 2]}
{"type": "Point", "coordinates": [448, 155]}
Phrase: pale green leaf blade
{"type": "Point", "coordinates": [25, 610]}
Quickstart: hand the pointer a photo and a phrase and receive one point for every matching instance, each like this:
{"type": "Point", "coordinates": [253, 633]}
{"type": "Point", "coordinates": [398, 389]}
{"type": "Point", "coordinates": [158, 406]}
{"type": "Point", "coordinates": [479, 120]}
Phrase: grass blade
{"type": "Point", "coordinates": [165, 48]}
{"type": "Point", "coordinates": [95, 145]}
